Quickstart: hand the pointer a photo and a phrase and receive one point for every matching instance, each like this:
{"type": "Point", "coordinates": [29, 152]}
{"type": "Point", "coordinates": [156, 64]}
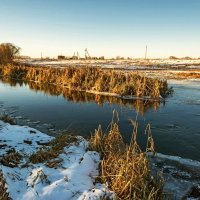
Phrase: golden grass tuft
{"type": "Point", "coordinates": [91, 79]}
{"type": "Point", "coordinates": [11, 159]}
{"type": "Point", "coordinates": [4, 195]}
{"type": "Point", "coordinates": [125, 168]}
{"type": "Point", "coordinates": [7, 119]}
{"type": "Point", "coordinates": [52, 151]}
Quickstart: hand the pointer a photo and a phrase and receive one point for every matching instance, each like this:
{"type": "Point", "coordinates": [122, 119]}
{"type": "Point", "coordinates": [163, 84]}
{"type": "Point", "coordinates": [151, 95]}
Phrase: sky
{"type": "Point", "coordinates": [107, 28]}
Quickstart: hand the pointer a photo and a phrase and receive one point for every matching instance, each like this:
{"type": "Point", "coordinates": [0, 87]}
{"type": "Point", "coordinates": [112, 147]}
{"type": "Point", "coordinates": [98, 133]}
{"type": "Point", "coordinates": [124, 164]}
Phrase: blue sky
{"type": "Point", "coordinates": [105, 27]}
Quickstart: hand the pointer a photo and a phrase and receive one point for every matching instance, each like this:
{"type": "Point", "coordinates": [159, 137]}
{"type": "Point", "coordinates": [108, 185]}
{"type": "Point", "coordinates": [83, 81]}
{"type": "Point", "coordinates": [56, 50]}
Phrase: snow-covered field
{"type": "Point", "coordinates": [159, 68]}
{"type": "Point", "coordinates": [132, 64]}
{"type": "Point", "coordinates": [74, 178]}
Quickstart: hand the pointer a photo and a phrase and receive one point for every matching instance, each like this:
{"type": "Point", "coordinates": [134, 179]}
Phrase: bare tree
{"type": "Point", "coordinates": [8, 51]}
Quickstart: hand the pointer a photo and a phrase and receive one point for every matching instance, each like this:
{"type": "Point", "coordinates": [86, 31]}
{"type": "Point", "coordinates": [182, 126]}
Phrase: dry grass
{"type": "Point", "coordinates": [188, 75]}
{"type": "Point", "coordinates": [7, 52]}
{"type": "Point", "coordinates": [11, 159]}
{"type": "Point", "coordinates": [90, 78]}
{"type": "Point", "coordinates": [4, 195]}
{"type": "Point", "coordinates": [125, 168]}
{"type": "Point", "coordinates": [7, 119]}
{"type": "Point", "coordinates": [51, 152]}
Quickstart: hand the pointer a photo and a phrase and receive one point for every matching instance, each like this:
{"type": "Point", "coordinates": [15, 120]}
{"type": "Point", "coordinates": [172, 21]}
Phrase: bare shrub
{"type": "Point", "coordinates": [7, 52]}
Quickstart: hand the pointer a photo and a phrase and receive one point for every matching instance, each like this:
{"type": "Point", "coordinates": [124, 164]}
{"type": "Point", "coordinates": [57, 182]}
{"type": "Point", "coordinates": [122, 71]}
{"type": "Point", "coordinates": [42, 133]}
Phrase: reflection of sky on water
{"type": "Point", "coordinates": [175, 125]}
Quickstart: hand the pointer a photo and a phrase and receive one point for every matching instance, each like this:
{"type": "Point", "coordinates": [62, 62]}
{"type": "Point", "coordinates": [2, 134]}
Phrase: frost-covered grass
{"type": "Point", "coordinates": [69, 175]}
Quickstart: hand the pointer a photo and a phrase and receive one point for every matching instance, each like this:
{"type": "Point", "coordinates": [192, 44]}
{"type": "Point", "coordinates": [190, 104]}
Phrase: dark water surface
{"type": "Point", "coordinates": [175, 123]}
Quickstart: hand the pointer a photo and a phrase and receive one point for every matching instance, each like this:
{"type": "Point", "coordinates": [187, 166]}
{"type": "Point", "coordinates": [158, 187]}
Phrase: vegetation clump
{"type": "Point", "coordinates": [125, 168]}
{"type": "Point", "coordinates": [11, 159]}
{"type": "Point", "coordinates": [54, 148]}
{"type": "Point", "coordinates": [7, 119]}
{"type": "Point", "coordinates": [7, 52]}
{"type": "Point", "coordinates": [91, 79]}
{"type": "Point", "coordinates": [4, 195]}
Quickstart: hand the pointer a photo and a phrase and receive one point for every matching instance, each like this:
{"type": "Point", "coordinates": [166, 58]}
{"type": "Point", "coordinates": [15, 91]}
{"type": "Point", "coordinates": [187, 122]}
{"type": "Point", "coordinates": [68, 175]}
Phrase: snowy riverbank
{"type": "Point", "coordinates": [73, 178]}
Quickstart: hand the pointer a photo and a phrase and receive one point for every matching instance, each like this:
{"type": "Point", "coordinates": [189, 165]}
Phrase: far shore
{"type": "Point", "coordinates": [156, 68]}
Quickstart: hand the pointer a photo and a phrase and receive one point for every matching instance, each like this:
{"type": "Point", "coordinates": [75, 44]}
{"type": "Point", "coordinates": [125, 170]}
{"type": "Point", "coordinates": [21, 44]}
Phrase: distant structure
{"type": "Point", "coordinates": [75, 56]}
{"type": "Point", "coordinates": [145, 53]}
{"type": "Point", "coordinates": [60, 57]}
{"type": "Point", "coordinates": [87, 55]}
{"type": "Point", "coordinates": [23, 57]}
{"type": "Point", "coordinates": [101, 58]}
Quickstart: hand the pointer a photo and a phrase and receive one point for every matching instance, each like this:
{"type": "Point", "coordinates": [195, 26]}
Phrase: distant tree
{"type": "Point", "coordinates": [173, 58]}
{"type": "Point", "coordinates": [187, 58]}
{"type": "Point", "coordinates": [8, 51]}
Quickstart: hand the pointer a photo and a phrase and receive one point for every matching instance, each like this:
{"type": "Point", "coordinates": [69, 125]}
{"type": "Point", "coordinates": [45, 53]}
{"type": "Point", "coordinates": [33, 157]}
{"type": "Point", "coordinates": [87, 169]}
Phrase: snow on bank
{"type": "Point", "coordinates": [74, 178]}
{"type": "Point", "coordinates": [113, 63]}
{"type": "Point", "coordinates": [191, 82]}
{"type": "Point", "coordinates": [180, 174]}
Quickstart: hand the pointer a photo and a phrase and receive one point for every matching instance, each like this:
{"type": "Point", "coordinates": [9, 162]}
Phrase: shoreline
{"type": "Point", "coordinates": [74, 169]}
{"type": "Point", "coordinates": [26, 180]}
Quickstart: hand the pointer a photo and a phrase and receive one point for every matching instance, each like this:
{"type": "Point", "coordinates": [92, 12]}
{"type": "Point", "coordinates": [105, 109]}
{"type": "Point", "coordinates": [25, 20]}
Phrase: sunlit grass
{"type": "Point", "coordinates": [53, 148]}
{"type": "Point", "coordinates": [91, 79]}
{"type": "Point", "coordinates": [7, 119]}
{"type": "Point", "coordinates": [4, 195]}
{"type": "Point", "coordinates": [125, 168]}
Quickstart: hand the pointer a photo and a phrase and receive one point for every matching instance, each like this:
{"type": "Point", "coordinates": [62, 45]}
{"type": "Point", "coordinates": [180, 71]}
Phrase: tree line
{"type": "Point", "coordinates": [8, 51]}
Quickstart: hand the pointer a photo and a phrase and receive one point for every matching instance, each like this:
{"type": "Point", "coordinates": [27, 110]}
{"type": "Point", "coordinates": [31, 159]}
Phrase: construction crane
{"type": "Point", "coordinates": [77, 54]}
{"type": "Point", "coordinates": [87, 55]}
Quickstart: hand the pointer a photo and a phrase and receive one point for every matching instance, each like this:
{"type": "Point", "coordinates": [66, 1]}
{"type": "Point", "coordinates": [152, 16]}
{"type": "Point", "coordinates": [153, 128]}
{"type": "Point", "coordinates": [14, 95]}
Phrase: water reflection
{"type": "Point", "coordinates": [141, 106]}
{"type": "Point", "coordinates": [175, 126]}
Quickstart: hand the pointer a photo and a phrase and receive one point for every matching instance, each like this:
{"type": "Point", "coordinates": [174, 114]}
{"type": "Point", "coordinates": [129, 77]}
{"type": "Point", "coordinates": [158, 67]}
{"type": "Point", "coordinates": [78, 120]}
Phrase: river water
{"type": "Point", "coordinates": [175, 123]}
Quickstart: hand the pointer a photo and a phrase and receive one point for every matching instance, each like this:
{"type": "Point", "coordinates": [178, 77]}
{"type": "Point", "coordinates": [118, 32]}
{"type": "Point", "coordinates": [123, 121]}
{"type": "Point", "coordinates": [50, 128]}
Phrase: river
{"type": "Point", "coordinates": [175, 123]}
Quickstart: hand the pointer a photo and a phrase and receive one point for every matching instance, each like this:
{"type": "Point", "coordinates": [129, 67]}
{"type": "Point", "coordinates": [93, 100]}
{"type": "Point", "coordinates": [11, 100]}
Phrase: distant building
{"type": "Point", "coordinates": [61, 57]}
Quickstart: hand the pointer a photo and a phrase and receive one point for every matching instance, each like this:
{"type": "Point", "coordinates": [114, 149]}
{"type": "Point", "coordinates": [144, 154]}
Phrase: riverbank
{"type": "Point", "coordinates": [37, 166]}
{"type": "Point", "coordinates": [30, 170]}
{"type": "Point", "coordinates": [69, 176]}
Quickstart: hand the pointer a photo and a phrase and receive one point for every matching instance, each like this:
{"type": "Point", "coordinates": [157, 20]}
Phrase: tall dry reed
{"type": "Point", "coordinates": [92, 79]}
{"type": "Point", "coordinates": [125, 168]}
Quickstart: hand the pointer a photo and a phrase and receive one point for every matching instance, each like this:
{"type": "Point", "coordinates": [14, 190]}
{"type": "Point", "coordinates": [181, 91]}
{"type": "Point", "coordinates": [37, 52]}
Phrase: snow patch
{"type": "Point", "coordinates": [73, 179]}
